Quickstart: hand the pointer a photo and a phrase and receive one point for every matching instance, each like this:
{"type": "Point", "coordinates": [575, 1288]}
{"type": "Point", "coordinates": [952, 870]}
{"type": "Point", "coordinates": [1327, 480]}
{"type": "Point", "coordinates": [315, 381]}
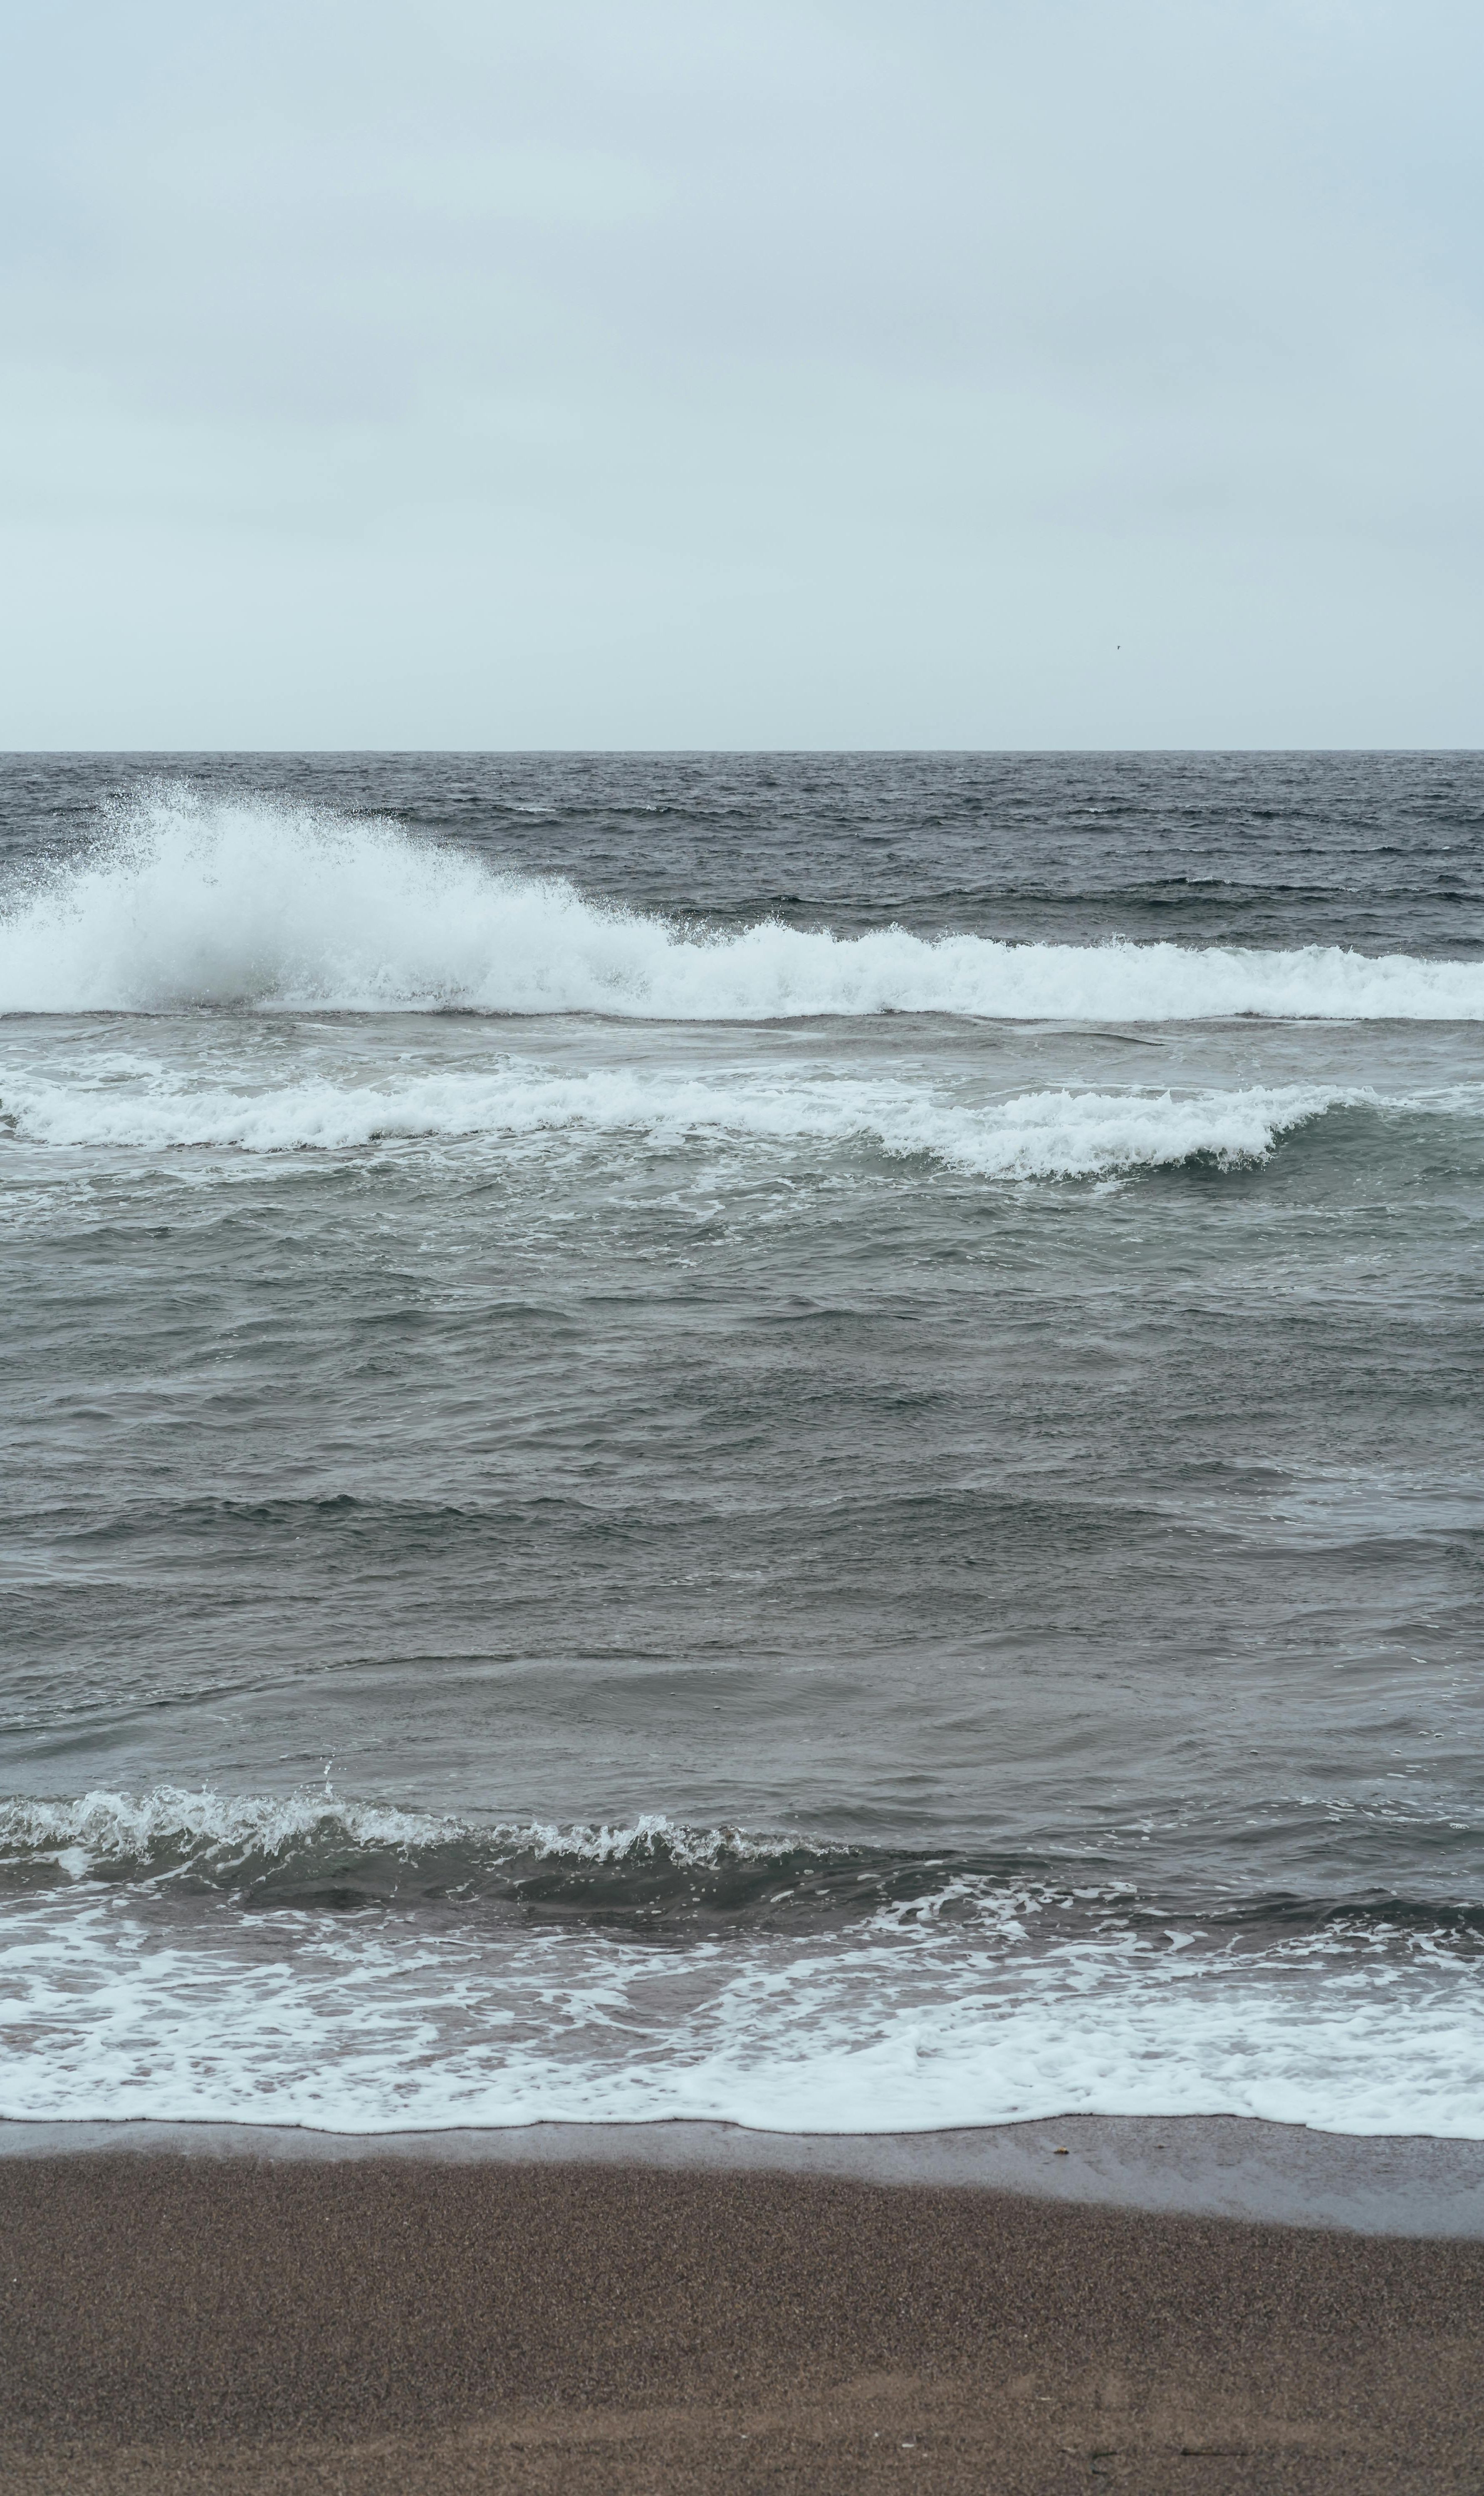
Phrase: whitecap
{"type": "Point", "coordinates": [1044, 1134]}
{"type": "Point", "coordinates": [237, 901]}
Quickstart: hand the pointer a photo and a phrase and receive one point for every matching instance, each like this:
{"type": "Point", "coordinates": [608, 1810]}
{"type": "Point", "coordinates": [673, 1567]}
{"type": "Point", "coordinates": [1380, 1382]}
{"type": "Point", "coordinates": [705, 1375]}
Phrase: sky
{"type": "Point", "coordinates": [741, 373]}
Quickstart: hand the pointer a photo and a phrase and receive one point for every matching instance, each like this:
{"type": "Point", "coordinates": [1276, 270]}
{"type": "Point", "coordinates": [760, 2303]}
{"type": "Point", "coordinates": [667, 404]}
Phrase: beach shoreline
{"type": "Point", "coordinates": [1238, 2166]}
{"type": "Point", "coordinates": [393, 2321]}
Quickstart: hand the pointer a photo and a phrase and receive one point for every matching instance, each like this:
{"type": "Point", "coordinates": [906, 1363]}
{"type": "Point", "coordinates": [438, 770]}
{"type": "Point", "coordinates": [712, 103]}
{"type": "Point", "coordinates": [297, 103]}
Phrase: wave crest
{"type": "Point", "coordinates": [235, 1841]}
{"type": "Point", "coordinates": [188, 901]}
{"type": "Point", "coordinates": [1047, 1133]}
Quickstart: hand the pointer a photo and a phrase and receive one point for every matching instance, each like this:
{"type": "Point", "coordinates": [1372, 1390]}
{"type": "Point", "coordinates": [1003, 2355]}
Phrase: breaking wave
{"type": "Point", "coordinates": [1035, 1135]}
{"type": "Point", "coordinates": [302, 1844]}
{"type": "Point", "coordinates": [189, 902]}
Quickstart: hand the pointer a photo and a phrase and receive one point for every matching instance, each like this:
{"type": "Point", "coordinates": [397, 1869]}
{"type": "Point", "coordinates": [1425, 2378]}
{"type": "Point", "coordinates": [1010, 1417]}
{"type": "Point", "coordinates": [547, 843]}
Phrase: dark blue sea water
{"type": "Point", "coordinates": [794, 1437]}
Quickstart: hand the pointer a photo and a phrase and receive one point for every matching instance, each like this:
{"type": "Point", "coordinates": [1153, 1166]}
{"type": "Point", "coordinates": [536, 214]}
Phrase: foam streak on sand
{"type": "Point", "coordinates": [238, 902]}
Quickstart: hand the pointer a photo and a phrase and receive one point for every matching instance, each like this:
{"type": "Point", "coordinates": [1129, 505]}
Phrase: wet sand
{"type": "Point", "coordinates": [1217, 2167]}
{"type": "Point", "coordinates": [387, 2326]}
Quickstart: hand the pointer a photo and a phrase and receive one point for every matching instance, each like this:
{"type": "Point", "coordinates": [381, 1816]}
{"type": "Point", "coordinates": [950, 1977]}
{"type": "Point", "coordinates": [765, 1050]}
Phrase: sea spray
{"type": "Point", "coordinates": [189, 901]}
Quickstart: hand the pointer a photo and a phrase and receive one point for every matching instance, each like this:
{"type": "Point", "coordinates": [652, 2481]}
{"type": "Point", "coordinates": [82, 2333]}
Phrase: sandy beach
{"type": "Point", "coordinates": [410, 2324]}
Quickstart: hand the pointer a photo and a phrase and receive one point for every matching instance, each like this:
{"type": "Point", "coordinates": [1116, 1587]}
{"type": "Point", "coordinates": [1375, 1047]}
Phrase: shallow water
{"type": "Point", "coordinates": [784, 1438]}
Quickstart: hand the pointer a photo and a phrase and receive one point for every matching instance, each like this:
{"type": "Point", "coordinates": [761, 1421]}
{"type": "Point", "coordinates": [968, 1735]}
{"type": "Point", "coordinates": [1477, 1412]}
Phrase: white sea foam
{"type": "Point", "coordinates": [1057, 1134]}
{"type": "Point", "coordinates": [387, 2022]}
{"type": "Point", "coordinates": [240, 902]}
{"type": "Point", "coordinates": [104, 1828]}
{"type": "Point", "coordinates": [911, 2019]}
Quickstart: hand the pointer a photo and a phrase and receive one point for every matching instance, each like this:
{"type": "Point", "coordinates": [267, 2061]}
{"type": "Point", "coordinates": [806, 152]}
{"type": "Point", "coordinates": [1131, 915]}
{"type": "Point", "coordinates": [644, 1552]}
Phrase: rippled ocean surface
{"type": "Point", "coordinates": [791, 1438]}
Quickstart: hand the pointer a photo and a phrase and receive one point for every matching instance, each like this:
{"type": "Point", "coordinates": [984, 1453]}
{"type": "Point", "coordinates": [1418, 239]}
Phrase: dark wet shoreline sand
{"type": "Point", "coordinates": [386, 2326]}
{"type": "Point", "coordinates": [1231, 2167]}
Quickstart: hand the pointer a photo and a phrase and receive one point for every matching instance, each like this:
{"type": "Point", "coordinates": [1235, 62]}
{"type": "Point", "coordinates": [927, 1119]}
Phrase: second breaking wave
{"type": "Point", "coordinates": [1047, 1133]}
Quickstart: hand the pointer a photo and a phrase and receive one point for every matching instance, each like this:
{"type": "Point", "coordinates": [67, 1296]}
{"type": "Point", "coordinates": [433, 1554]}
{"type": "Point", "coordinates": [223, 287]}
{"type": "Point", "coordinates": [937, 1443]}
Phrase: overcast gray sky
{"type": "Point", "coordinates": [742, 372]}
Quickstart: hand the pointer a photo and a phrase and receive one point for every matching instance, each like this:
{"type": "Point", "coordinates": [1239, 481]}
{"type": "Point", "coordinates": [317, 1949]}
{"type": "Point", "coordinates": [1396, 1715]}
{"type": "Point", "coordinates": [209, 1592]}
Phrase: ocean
{"type": "Point", "coordinates": [798, 1439]}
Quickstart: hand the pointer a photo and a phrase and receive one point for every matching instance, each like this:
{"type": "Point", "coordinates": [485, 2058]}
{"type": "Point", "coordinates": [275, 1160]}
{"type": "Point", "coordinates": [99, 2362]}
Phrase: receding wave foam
{"type": "Point", "coordinates": [130, 1988]}
{"type": "Point", "coordinates": [1034, 1135]}
{"type": "Point", "coordinates": [237, 902]}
